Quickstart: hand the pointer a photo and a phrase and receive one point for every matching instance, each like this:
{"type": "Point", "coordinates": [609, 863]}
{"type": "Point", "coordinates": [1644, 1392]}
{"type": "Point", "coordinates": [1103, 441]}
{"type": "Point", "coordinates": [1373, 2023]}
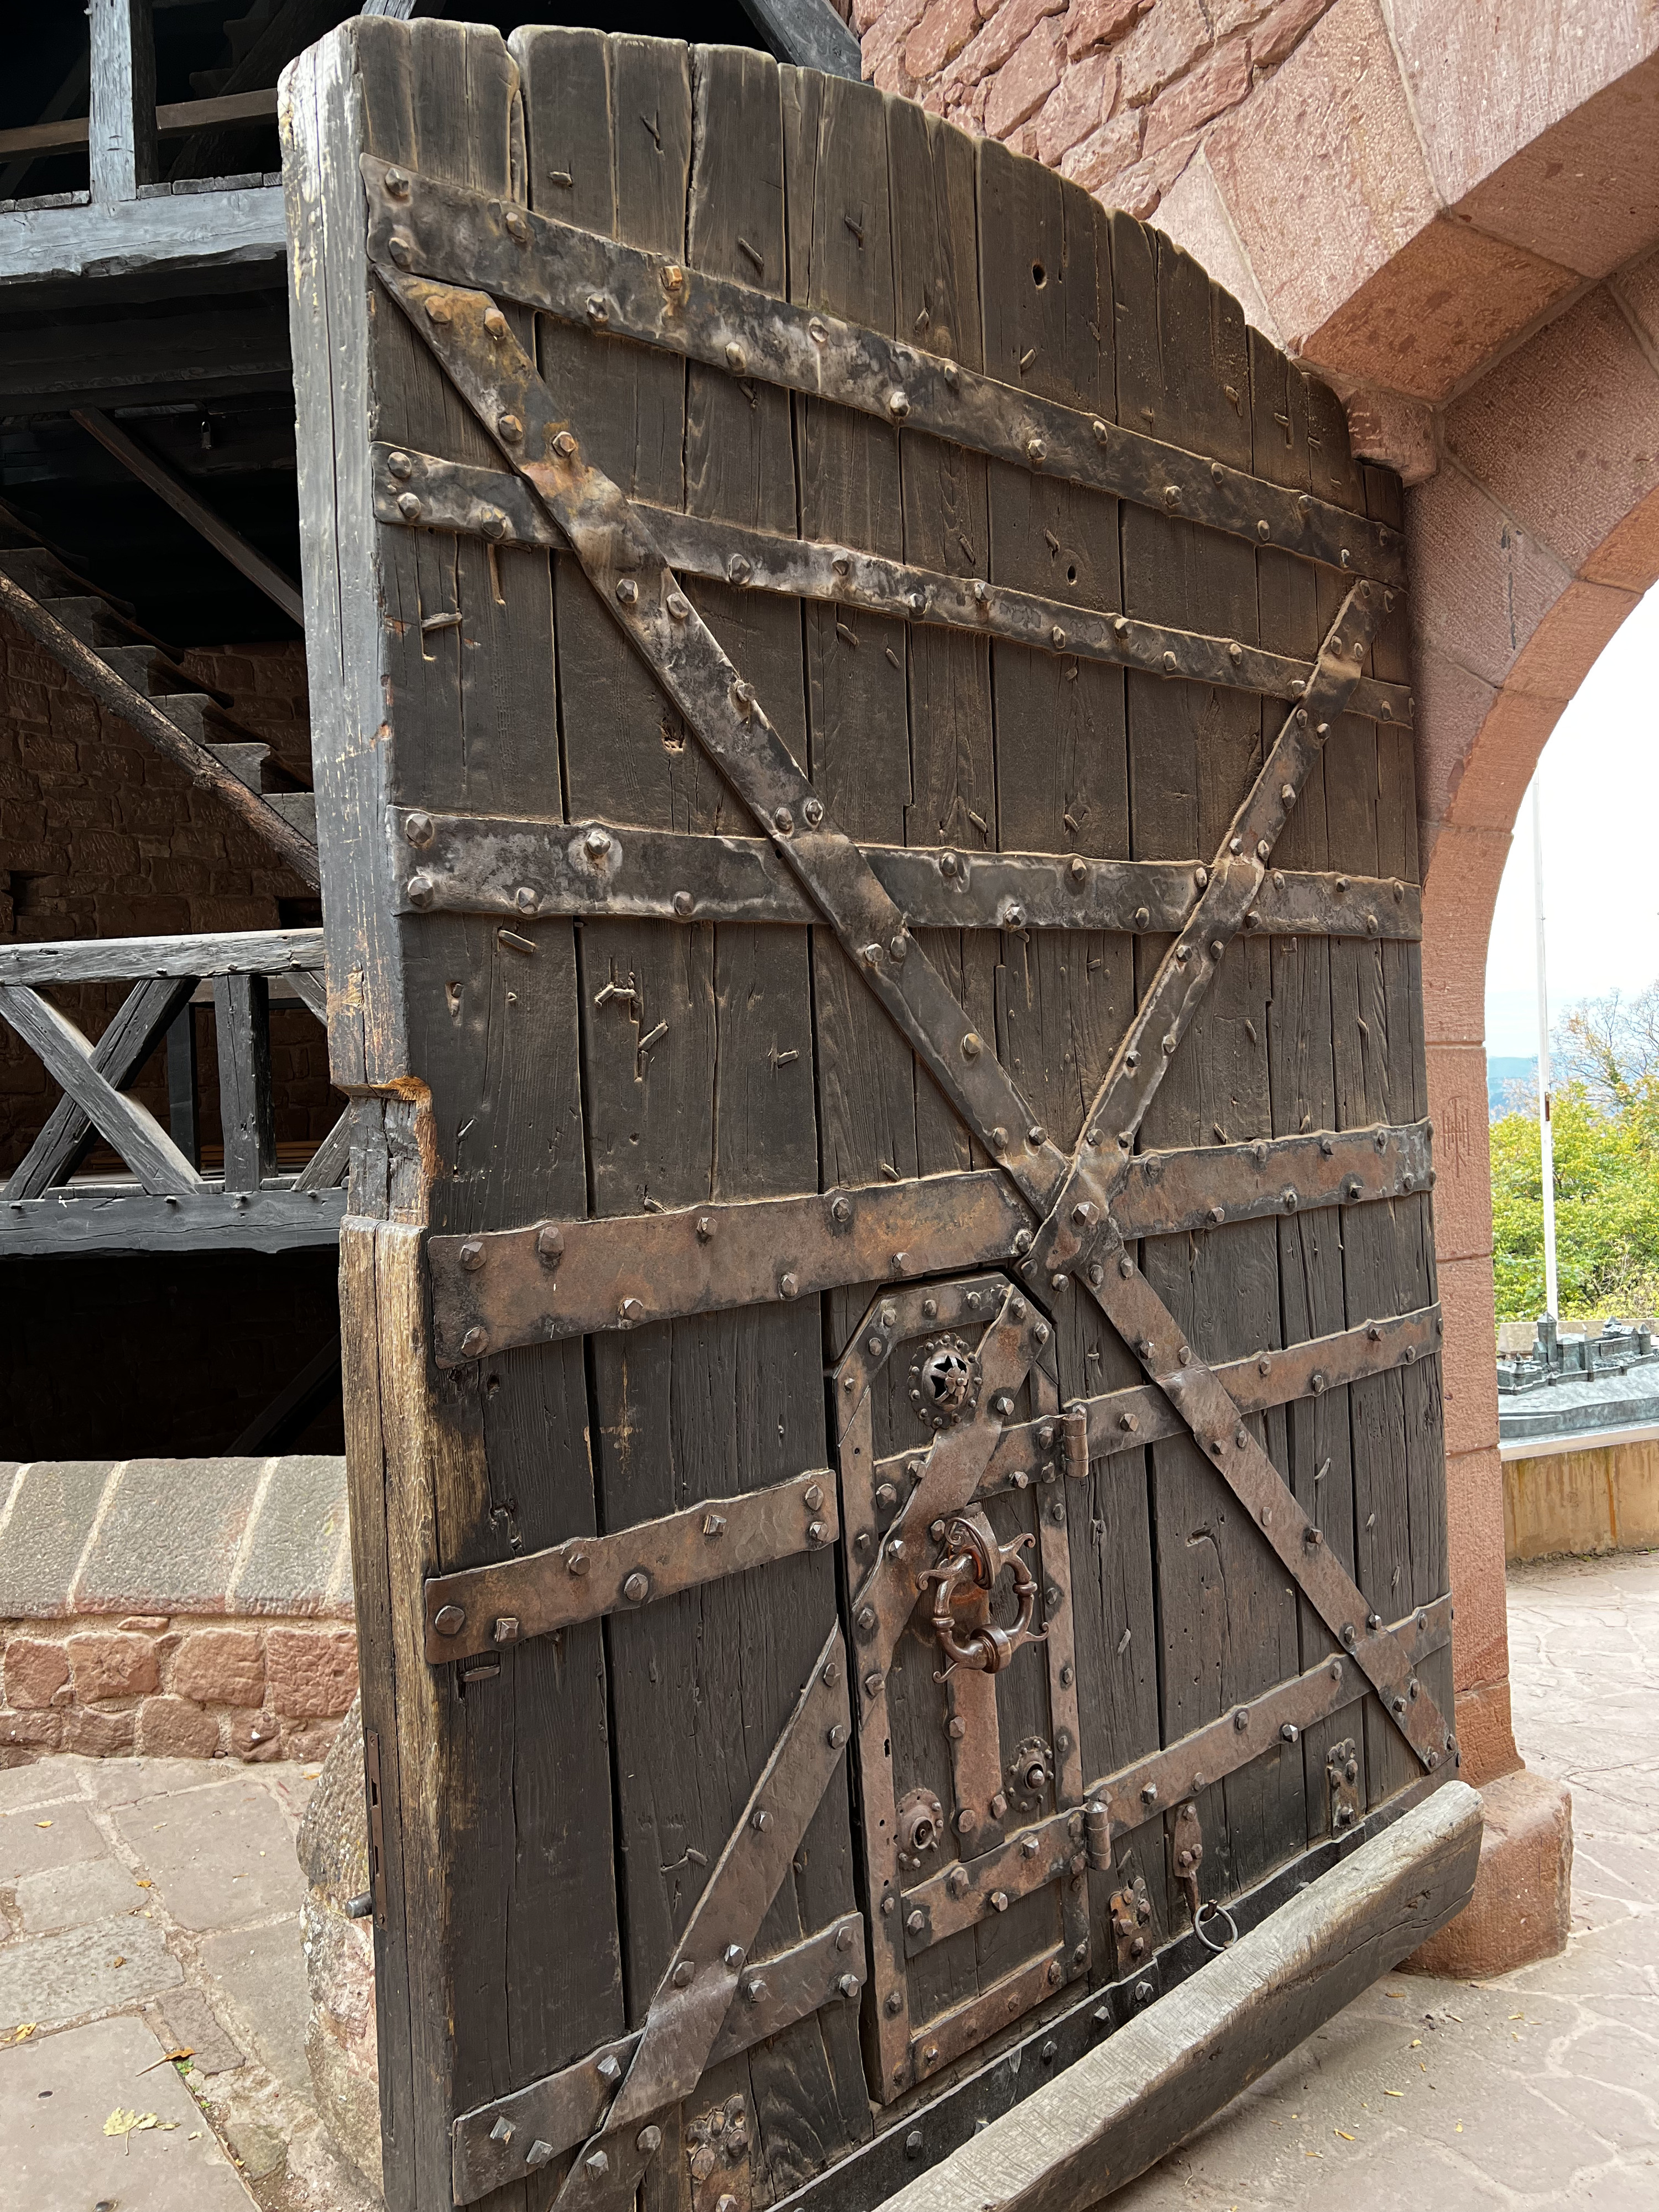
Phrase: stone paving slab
{"type": "Point", "coordinates": [147, 1905]}
{"type": "Point", "coordinates": [218, 1855]}
{"type": "Point", "coordinates": [1538, 2091]}
{"type": "Point", "coordinates": [56, 2094]}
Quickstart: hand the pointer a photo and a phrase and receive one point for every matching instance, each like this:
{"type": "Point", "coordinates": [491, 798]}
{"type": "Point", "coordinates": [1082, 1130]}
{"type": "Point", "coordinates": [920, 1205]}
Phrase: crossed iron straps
{"type": "Point", "coordinates": [1072, 1194]}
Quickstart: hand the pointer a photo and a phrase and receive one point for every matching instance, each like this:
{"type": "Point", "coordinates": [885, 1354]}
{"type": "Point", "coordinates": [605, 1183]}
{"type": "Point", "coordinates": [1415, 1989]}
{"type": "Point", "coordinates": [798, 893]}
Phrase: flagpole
{"type": "Point", "coordinates": [1545, 1133]}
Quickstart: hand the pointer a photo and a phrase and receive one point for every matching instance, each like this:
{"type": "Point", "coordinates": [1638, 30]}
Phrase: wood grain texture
{"type": "Point", "coordinates": [555, 1814]}
{"type": "Point", "coordinates": [1119, 2109]}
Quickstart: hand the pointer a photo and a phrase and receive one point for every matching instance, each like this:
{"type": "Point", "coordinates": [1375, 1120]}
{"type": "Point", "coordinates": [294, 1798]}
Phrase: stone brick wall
{"type": "Point", "coordinates": [100, 836]}
{"type": "Point", "coordinates": [187, 1609]}
{"type": "Point", "coordinates": [176, 1686]}
{"type": "Point", "coordinates": [1116, 94]}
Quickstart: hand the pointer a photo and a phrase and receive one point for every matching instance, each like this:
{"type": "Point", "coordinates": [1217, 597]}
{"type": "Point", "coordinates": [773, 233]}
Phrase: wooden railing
{"type": "Point", "coordinates": [161, 1197]}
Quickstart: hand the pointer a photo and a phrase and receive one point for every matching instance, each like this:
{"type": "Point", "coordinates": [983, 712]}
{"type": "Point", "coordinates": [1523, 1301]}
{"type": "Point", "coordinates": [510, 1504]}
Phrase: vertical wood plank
{"type": "Point", "coordinates": [121, 130]}
{"type": "Point", "coordinates": [1228, 1621]}
{"type": "Point", "coordinates": [241, 1008]}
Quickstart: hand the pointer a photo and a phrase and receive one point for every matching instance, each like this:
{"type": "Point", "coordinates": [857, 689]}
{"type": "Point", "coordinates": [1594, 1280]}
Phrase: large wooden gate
{"type": "Point", "coordinates": [865, 800]}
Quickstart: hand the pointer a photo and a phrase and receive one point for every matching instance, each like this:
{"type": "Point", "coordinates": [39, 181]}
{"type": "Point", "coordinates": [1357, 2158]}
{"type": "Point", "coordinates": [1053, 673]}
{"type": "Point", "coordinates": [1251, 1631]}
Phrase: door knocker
{"type": "Point", "coordinates": [965, 1576]}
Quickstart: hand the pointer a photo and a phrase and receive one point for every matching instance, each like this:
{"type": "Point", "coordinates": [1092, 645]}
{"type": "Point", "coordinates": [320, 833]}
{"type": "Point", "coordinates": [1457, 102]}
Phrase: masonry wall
{"type": "Point", "coordinates": [1114, 94]}
{"type": "Point", "coordinates": [177, 1608]}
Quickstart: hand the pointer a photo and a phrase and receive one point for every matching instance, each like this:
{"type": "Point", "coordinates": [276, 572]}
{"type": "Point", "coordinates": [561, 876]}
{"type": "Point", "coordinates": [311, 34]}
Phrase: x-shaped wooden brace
{"type": "Point", "coordinates": [1071, 1195]}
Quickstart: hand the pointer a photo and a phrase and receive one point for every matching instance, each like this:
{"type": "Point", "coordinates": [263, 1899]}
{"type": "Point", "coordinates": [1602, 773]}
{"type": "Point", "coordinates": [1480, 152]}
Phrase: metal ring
{"type": "Point", "coordinates": [1210, 1910]}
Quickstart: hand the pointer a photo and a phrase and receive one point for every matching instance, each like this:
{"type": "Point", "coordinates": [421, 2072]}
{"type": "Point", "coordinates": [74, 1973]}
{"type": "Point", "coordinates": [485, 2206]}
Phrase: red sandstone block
{"type": "Point", "coordinates": [1005, 32]}
{"type": "Point", "coordinates": [1098, 22]}
{"type": "Point", "coordinates": [97, 1735]}
{"type": "Point", "coordinates": [1022, 84]}
{"type": "Point", "coordinates": [1221, 83]}
{"type": "Point", "coordinates": [1163, 47]}
{"type": "Point", "coordinates": [311, 1672]}
{"type": "Point", "coordinates": [107, 1664]}
{"type": "Point", "coordinates": [34, 1668]}
{"type": "Point", "coordinates": [172, 1728]}
{"type": "Point", "coordinates": [1106, 154]}
{"type": "Point", "coordinates": [946, 28]}
{"type": "Point", "coordinates": [1282, 30]}
{"type": "Point", "coordinates": [220, 1667]}
{"type": "Point", "coordinates": [32, 1731]}
{"type": "Point", "coordinates": [254, 1736]}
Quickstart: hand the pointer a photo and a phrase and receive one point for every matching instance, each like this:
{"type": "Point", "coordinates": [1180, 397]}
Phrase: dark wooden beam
{"type": "Point", "coordinates": [140, 462]}
{"type": "Point", "coordinates": [176, 119]}
{"type": "Point", "coordinates": [808, 32]}
{"type": "Point", "coordinates": [241, 1006]}
{"type": "Point", "coordinates": [121, 141]}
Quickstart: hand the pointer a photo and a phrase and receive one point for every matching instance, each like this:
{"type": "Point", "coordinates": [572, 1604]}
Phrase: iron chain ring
{"type": "Point", "coordinates": [944, 1382]}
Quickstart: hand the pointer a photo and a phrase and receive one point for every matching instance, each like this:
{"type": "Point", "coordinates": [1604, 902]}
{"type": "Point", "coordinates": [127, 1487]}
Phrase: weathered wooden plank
{"type": "Point", "coordinates": [247, 559]}
{"type": "Point", "coordinates": [121, 135]}
{"type": "Point", "coordinates": [129, 1038]}
{"type": "Point", "coordinates": [112, 959]}
{"type": "Point", "coordinates": [1229, 1626]}
{"type": "Point", "coordinates": [503, 1933]}
{"type": "Point", "coordinates": [70, 1061]}
{"type": "Point", "coordinates": [1319, 1441]}
{"type": "Point", "coordinates": [1121, 2107]}
{"type": "Point", "coordinates": [100, 1219]}
{"type": "Point", "coordinates": [242, 1025]}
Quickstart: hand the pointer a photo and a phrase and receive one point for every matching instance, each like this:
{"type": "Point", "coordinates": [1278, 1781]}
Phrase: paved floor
{"type": "Point", "coordinates": [151, 1904]}
{"type": "Point", "coordinates": [1537, 2090]}
{"type": "Point", "coordinates": [148, 1906]}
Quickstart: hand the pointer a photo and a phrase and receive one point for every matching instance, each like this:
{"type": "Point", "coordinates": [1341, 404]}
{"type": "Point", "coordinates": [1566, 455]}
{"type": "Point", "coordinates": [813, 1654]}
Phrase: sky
{"type": "Point", "coordinates": [1600, 782]}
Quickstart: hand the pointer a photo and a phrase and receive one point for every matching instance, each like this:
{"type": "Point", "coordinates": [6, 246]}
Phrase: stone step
{"type": "Point", "coordinates": [38, 573]}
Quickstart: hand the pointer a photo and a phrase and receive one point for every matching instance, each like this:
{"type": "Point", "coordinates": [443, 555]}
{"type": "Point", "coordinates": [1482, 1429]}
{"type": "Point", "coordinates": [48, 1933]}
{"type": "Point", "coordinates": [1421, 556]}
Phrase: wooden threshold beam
{"type": "Point", "coordinates": [1130, 2101]}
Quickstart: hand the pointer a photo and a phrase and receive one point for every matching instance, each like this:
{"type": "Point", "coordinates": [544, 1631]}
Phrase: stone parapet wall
{"type": "Point", "coordinates": [189, 1608]}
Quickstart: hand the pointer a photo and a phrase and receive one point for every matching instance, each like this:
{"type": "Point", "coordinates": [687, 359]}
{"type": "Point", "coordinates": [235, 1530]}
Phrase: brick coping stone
{"type": "Point", "coordinates": [184, 1609]}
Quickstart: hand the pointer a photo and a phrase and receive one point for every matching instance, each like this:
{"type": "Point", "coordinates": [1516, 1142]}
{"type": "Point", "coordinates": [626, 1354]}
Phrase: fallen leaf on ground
{"type": "Point", "coordinates": [43, 1824]}
{"type": "Point", "coordinates": [1343, 2132]}
{"type": "Point", "coordinates": [184, 2050]}
{"type": "Point", "coordinates": [21, 2033]}
{"type": "Point", "coordinates": [1417, 2042]}
{"type": "Point", "coordinates": [126, 2124]}
{"type": "Point", "coordinates": [143, 1881]}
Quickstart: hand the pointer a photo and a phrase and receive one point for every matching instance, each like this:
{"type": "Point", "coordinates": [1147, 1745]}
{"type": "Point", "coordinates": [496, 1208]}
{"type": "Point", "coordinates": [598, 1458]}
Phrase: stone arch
{"type": "Point", "coordinates": [1449, 209]}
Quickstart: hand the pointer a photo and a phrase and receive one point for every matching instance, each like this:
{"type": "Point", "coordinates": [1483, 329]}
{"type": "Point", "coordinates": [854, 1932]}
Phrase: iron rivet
{"type": "Point", "coordinates": [496, 324]}
{"type": "Point", "coordinates": [788, 1284]}
{"type": "Point", "coordinates": [637, 1588]}
{"type": "Point", "coordinates": [417, 828]}
{"type": "Point", "coordinates": [449, 1619]}
{"type": "Point", "coordinates": [1035, 451]}
{"type": "Point", "coordinates": [812, 812]}
{"type": "Point", "coordinates": [402, 254]}
{"type": "Point", "coordinates": [627, 592]}
{"type": "Point", "coordinates": [564, 446]}
{"type": "Point", "coordinates": [475, 1343]}
{"type": "Point", "coordinates": [898, 406]}
{"type": "Point", "coordinates": [683, 903]}
{"type": "Point", "coordinates": [473, 1255]}
{"type": "Point", "coordinates": [509, 429]}
{"type": "Point", "coordinates": [409, 507]}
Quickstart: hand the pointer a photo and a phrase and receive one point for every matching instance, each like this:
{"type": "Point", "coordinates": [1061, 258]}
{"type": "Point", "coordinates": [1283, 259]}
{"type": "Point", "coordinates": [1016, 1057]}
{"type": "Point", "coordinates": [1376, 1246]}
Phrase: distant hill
{"type": "Point", "coordinates": [1501, 1073]}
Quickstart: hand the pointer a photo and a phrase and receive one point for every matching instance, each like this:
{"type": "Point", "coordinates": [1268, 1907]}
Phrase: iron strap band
{"type": "Point", "coordinates": [961, 1897]}
{"type": "Point", "coordinates": [492, 373]}
{"type": "Point", "coordinates": [419, 491]}
{"type": "Point", "coordinates": [580, 1277]}
{"type": "Point", "coordinates": [1128, 1420]}
{"type": "Point", "coordinates": [692, 2001]}
{"type": "Point", "coordinates": [521, 868]}
{"type": "Point", "coordinates": [501, 2142]}
{"type": "Point", "coordinates": [476, 347]}
{"type": "Point", "coordinates": [1196, 1391]}
{"type": "Point", "coordinates": [479, 1608]}
{"type": "Point", "coordinates": [1080, 1212]}
{"type": "Point", "coordinates": [472, 239]}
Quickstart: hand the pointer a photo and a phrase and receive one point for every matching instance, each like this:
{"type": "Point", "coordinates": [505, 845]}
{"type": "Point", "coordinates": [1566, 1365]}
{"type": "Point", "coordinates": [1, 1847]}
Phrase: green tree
{"type": "Point", "coordinates": [1606, 1122]}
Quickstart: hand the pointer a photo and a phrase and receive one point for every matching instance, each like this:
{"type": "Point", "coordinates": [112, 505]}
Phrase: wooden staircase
{"type": "Point", "coordinates": [136, 677]}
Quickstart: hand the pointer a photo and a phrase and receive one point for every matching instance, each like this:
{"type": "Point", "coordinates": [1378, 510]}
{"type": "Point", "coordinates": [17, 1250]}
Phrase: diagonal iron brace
{"type": "Point", "coordinates": [476, 346]}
